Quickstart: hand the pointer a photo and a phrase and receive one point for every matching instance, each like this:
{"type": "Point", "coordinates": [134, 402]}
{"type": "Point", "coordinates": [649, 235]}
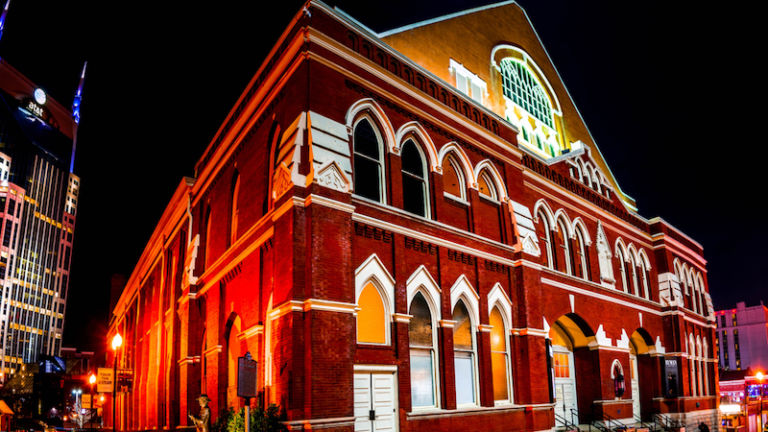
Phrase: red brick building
{"type": "Point", "coordinates": [415, 227]}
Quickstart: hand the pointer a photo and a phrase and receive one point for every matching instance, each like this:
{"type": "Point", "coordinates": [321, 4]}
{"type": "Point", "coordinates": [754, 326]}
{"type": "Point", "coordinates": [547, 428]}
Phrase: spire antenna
{"type": "Point", "coordinates": [76, 114]}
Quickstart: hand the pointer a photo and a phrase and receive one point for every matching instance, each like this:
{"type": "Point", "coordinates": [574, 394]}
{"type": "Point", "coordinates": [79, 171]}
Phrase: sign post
{"type": "Point", "coordinates": [247, 369]}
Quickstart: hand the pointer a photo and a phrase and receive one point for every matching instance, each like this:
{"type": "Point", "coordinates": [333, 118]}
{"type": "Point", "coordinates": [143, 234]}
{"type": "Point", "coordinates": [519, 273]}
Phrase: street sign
{"type": "Point", "coordinates": [247, 369]}
{"type": "Point", "coordinates": [85, 401]}
{"type": "Point", "coordinates": [105, 380]}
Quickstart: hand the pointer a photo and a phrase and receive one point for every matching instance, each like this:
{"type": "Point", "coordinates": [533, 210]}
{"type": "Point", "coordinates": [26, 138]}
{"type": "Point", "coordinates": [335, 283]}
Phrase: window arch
{"type": "Point", "coordinates": [633, 268]}
{"type": "Point", "coordinates": [422, 341]}
{"type": "Point", "coordinates": [369, 161]}
{"type": "Point", "coordinates": [234, 209]}
{"type": "Point", "coordinates": [415, 184]}
{"type": "Point", "coordinates": [522, 87]}
{"type": "Point", "coordinates": [453, 179]}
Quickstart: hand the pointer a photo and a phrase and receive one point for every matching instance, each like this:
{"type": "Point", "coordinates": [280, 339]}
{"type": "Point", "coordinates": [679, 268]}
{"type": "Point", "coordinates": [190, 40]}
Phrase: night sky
{"type": "Point", "coordinates": [669, 92]}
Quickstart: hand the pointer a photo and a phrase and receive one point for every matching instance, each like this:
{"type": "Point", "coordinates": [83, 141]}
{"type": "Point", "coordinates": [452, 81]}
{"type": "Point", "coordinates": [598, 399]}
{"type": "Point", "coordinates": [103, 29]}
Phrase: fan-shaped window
{"type": "Point", "coordinates": [499, 356]}
{"type": "Point", "coordinates": [524, 89]}
{"type": "Point", "coordinates": [422, 354]}
{"type": "Point", "coordinates": [371, 318]}
{"type": "Point", "coordinates": [464, 355]}
{"type": "Point", "coordinates": [369, 168]}
{"type": "Point", "coordinates": [414, 179]}
{"type": "Point", "coordinates": [486, 186]}
{"type": "Point", "coordinates": [453, 181]}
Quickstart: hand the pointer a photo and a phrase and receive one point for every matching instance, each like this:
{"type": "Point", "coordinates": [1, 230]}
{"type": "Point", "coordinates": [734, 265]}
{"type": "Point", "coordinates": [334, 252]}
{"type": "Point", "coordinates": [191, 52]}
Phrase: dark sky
{"type": "Point", "coordinates": [669, 93]}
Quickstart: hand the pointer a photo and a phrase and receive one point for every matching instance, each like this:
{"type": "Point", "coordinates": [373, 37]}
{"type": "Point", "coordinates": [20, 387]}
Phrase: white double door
{"type": "Point", "coordinates": [375, 401]}
{"type": "Point", "coordinates": [635, 386]}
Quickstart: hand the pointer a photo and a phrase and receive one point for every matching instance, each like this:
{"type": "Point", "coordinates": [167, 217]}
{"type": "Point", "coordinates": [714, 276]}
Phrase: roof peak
{"type": "Point", "coordinates": [443, 18]}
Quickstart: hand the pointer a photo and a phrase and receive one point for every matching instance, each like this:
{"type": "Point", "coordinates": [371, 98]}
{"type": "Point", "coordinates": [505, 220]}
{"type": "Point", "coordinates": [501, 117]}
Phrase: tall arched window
{"type": "Point", "coordinates": [453, 180]}
{"type": "Point", "coordinates": [208, 240]}
{"type": "Point", "coordinates": [486, 187]}
{"type": "Point", "coordinates": [233, 352]}
{"type": "Point", "coordinates": [580, 259]}
{"type": "Point", "coordinates": [368, 160]}
{"type": "Point", "coordinates": [633, 268]}
{"type": "Point", "coordinates": [499, 357]}
{"type": "Point", "coordinates": [545, 235]}
{"type": "Point", "coordinates": [562, 243]}
{"type": "Point", "coordinates": [524, 89]}
{"type": "Point", "coordinates": [421, 333]}
{"type": "Point", "coordinates": [371, 316]}
{"type": "Point", "coordinates": [622, 269]}
{"type": "Point", "coordinates": [414, 169]}
{"type": "Point", "coordinates": [234, 209]}
{"type": "Point", "coordinates": [464, 355]}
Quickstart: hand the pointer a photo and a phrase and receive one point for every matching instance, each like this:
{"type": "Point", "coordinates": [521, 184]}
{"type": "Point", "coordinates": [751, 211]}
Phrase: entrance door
{"type": "Point", "coordinates": [375, 402]}
{"type": "Point", "coordinates": [634, 386]}
{"type": "Point", "coordinates": [565, 386]}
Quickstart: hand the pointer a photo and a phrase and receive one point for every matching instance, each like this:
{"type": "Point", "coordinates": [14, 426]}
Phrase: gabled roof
{"type": "Point", "coordinates": [469, 37]}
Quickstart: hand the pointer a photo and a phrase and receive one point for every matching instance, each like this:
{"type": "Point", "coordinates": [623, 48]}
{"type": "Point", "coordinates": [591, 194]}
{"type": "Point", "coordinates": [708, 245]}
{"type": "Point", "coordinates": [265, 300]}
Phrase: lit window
{"type": "Point", "coordinates": [422, 354]}
{"type": "Point", "coordinates": [464, 356]}
{"type": "Point", "coordinates": [561, 365]}
{"type": "Point", "coordinates": [414, 172]}
{"type": "Point", "coordinates": [453, 181]}
{"type": "Point", "coordinates": [486, 187]}
{"type": "Point", "coordinates": [371, 318]}
{"type": "Point", "coordinates": [499, 357]}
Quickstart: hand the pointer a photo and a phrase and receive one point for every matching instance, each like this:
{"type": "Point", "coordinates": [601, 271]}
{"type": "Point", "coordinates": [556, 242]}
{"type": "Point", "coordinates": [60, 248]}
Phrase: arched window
{"type": "Point", "coordinates": [580, 259]}
{"type": "Point", "coordinates": [421, 333]}
{"type": "Point", "coordinates": [204, 364]}
{"type": "Point", "coordinates": [545, 235]}
{"type": "Point", "coordinates": [562, 242]}
{"type": "Point", "coordinates": [415, 198]}
{"type": "Point", "coordinates": [523, 89]}
{"type": "Point", "coordinates": [233, 352]}
{"type": "Point", "coordinates": [633, 268]}
{"type": "Point", "coordinates": [622, 269]}
{"type": "Point", "coordinates": [368, 160]}
{"type": "Point", "coordinates": [486, 187]}
{"type": "Point", "coordinates": [499, 357]}
{"type": "Point", "coordinates": [208, 239]}
{"type": "Point", "coordinates": [453, 180]}
{"type": "Point", "coordinates": [464, 355]}
{"type": "Point", "coordinates": [234, 209]}
{"type": "Point", "coordinates": [692, 362]}
{"type": "Point", "coordinates": [371, 316]}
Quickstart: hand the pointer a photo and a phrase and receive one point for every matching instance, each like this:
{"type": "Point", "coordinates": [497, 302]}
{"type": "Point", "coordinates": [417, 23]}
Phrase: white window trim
{"type": "Point", "coordinates": [382, 152]}
{"type": "Point", "coordinates": [457, 69]}
{"type": "Point", "coordinates": [497, 298]}
{"type": "Point", "coordinates": [373, 270]}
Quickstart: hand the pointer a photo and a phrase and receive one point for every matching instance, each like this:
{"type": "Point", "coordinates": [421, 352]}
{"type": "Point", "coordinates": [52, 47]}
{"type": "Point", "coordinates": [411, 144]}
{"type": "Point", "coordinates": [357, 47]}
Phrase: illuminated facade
{"type": "Point", "coordinates": [38, 203]}
{"type": "Point", "coordinates": [414, 230]}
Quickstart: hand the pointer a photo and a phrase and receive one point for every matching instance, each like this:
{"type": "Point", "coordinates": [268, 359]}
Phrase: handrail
{"type": "Point", "coordinates": [568, 426]}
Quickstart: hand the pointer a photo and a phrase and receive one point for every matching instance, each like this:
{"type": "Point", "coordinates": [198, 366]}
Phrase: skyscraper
{"type": "Point", "coordinates": [38, 202]}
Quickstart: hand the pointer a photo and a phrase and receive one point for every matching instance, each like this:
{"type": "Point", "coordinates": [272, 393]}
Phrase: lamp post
{"type": "Point", "coordinates": [117, 341]}
{"type": "Point", "coordinates": [760, 377]}
{"type": "Point", "coordinates": [92, 382]}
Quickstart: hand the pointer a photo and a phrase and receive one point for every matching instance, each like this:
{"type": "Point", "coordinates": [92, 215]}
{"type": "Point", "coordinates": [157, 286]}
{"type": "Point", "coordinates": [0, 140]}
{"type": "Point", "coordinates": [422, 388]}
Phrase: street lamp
{"type": "Point", "coordinates": [92, 382]}
{"type": "Point", "coordinates": [117, 341]}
